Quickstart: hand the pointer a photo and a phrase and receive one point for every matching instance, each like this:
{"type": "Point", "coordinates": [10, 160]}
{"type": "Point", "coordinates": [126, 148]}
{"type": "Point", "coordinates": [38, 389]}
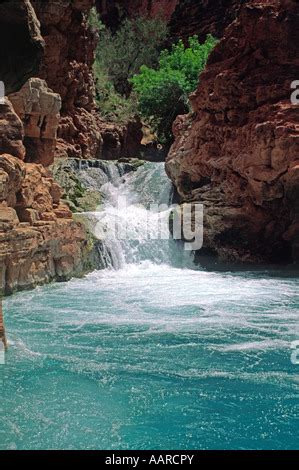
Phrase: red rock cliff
{"type": "Point", "coordinates": [67, 68]}
{"type": "Point", "coordinates": [39, 240]}
{"type": "Point", "coordinates": [46, 117]}
{"type": "Point", "coordinates": [238, 151]}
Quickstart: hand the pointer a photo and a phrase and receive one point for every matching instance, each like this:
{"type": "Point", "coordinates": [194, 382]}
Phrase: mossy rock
{"type": "Point", "coordinates": [90, 201]}
{"type": "Point", "coordinates": [132, 163]}
{"type": "Point", "coordinates": [78, 198]}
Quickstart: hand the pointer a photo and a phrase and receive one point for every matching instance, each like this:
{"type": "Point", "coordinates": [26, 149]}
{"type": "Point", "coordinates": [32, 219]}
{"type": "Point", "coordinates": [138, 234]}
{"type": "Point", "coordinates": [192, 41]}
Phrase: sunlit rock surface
{"type": "Point", "coordinates": [237, 152]}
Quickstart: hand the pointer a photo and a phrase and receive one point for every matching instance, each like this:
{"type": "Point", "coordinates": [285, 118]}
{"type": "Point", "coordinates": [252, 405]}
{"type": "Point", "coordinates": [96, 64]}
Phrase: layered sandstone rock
{"type": "Point", "coordinates": [38, 108]}
{"type": "Point", "coordinates": [39, 241]}
{"type": "Point", "coordinates": [238, 151]}
{"type": "Point", "coordinates": [11, 131]}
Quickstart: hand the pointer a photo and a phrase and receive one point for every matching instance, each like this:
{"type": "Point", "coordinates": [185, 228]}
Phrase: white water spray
{"type": "Point", "coordinates": [133, 202]}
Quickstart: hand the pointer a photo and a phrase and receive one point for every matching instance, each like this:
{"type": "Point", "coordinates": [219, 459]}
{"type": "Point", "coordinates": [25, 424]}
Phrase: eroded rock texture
{"type": "Point", "coordinates": [203, 17]}
{"type": "Point", "coordinates": [121, 140]}
{"type": "Point", "coordinates": [67, 69]}
{"type": "Point", "coordinates": [39, 109]}
{"type": "Point", "coordinates": [238, 151]}
{"type": "Point", "coordinates": [39, 240]}
{"type": "Point", "coordinates": [11, 131]}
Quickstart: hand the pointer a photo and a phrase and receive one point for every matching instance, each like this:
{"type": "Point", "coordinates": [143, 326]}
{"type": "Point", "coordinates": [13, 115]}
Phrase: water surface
{"type": "Point", "coordinates": [152, 354]}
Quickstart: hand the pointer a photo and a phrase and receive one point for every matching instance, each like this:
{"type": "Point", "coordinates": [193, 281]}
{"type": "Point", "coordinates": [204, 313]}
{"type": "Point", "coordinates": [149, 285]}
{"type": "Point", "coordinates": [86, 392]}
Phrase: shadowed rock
{"type": "Point", "coordinates": [20, 33]}
{"type": "Point", "coordinates": [2, 328]}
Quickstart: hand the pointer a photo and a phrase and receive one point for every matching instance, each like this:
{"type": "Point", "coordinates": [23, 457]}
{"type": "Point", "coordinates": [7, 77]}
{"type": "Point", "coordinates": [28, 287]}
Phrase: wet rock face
{"type": "Point", "coordinates": [22, 44]}
{"type": "Point", "coordinates": [79, 195]}
{"type": "Point", "coordinates": [238, 151]}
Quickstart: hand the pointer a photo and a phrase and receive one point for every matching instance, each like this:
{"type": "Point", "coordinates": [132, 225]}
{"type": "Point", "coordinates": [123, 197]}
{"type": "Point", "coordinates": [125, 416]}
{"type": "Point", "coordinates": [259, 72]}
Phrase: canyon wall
{"type": "Point", "coordinates": [47, 53]}
{"type": "Point", "coordinates": [203, 17]}
{"type": "Point", "coordinates": [67, 68]}
{"type": "Point", "coordinates": [21, 43]}
{"type": "Point", "coordinates": [39, 240]}
{"type": "Point", "coordinates": [237, 152]}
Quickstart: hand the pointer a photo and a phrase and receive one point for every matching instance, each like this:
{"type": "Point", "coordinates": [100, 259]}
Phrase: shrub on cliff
{"type": "Point", "coordinates": [163, 92]}
{"type": "Point", "coordinates": [137, 42]}
{"type": "Point", "coordinates": [112, 106]}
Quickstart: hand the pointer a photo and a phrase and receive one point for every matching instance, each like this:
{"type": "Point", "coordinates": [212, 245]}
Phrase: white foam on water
{"type": "Point", "coordinates": [130, 228]}
{"type": "Point", "coordinates": [117, 352]}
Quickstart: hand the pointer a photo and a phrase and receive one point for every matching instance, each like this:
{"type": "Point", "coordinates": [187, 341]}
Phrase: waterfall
{"type": "Point", "coordinates": [137, 343]}
{"type": "Point", "coordinates": [132, 223]}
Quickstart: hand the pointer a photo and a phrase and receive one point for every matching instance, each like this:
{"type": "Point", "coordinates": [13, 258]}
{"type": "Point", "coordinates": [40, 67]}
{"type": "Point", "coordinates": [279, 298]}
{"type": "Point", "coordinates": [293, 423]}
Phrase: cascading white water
{"type": "Point", "coordinates": [133, 222]}
{"type": "Point", "coordinates": [151, 356]}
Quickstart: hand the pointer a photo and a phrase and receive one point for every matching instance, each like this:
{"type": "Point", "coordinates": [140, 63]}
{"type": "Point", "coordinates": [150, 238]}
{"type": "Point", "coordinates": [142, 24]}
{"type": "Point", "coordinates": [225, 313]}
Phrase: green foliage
{"type": "Point", "coordinates": [118, 57]}
{"type": "Point", "coordinates": [161, 81]}
{"type": "Point", "coordinates": [163, 93]}
{"type": "Point", "coordinates": [94, 21]}
{"type": "Point", "coordinates": [137, 42]}
{"type": "Point", "coordinates": [112, 106]}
